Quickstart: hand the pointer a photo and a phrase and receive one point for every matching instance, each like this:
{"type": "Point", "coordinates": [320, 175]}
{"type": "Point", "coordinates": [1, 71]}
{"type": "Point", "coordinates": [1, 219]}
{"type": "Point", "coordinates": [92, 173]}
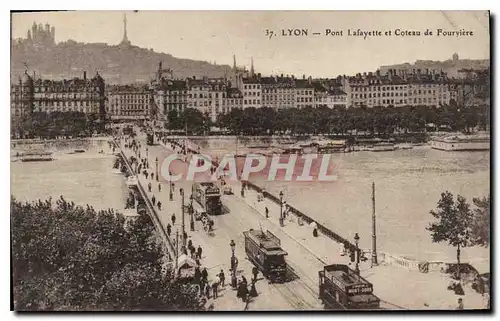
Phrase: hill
{"type": "Point", "coordinates": [450, 66]}
{"type": "Point", "coordinates": [117, 64]}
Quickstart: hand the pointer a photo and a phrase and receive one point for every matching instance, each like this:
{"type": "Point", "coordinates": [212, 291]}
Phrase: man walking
{"type": "Point", "coordinates": [173, 218]}
{"type": "Point", "coordinates": [255, 271]}
{"type": "Point", "coordinates": [215, 287]}
{"type": "Point", "coordinates": [199, 252]}
{"type": "Point", "coordinates": [222, 277]}
{"type": "Point", "coordinates": [159, 187]}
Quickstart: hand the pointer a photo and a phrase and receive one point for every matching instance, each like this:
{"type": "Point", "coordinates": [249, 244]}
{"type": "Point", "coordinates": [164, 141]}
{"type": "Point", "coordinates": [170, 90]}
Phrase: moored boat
{"type": "Point", "coordinates": [36, 157]}
{"type": "Point", "coordinates": [461, 143]}
{"type": "Point", "coordinates": [382, 147]}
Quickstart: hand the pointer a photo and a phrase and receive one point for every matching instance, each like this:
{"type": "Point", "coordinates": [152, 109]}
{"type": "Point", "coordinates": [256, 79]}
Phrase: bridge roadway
{"type": "Point", "coordinates": [299, 294]}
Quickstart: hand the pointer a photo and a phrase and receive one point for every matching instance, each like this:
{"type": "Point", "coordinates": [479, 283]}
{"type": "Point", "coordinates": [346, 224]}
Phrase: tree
{"type": "Point", "coordinates": [454, 223]}
{"type": "Point", "coordinates": [481, 222]}
{"type": "Point", "coordinates": [67, 257]}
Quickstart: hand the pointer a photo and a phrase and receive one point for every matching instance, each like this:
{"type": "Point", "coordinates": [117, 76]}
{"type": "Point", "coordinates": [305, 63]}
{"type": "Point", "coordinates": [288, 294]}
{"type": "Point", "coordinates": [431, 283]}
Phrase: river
{"type": "Point", "coordinates": [408, 185]}
{"type": "Point", "coordinates": [84, 178]}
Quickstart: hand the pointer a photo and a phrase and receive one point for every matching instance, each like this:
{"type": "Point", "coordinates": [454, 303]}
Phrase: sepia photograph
{"type": "Point", "coordinates": [203, 161]}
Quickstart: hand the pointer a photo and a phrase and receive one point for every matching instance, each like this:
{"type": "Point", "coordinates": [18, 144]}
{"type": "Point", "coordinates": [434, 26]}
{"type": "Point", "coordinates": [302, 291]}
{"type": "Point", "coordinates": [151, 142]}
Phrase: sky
{"type": "Point", "coordinates": [217, 35]}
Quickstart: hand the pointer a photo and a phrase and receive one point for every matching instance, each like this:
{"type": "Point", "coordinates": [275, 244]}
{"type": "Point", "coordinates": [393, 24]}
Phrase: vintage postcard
{"type": "Point", "coordinates": [250, 160]}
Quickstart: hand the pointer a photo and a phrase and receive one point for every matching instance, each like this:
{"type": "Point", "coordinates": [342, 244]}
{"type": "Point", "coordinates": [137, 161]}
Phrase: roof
{"type": "Point", "coordinates": [270, 244]}
{"type": "Point", "coordinates": [302, 83]}
{"type": "Point", "coordinates": [336, 91]}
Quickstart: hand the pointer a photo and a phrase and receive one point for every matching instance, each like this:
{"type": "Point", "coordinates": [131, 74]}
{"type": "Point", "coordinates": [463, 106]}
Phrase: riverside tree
{"type": "Point", "coordinates": [454, 223]}
{"type": "Point", "coordinates": [481, 222]}
{"type": "Point", "coordinates": [73, 258]}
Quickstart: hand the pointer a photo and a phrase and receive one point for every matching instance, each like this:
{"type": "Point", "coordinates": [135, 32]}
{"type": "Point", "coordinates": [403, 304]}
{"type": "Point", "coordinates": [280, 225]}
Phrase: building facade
{"type": "Point", "coordinates": [398, 89]}
{"type": "Point", "coordinates": [128, 102]}
{"type": "Point", "coordinates": [304, 93]}
{"type": "Point", "coordinates": [278, 92]}
{"type": "Point", "coordinates": [75, 95]}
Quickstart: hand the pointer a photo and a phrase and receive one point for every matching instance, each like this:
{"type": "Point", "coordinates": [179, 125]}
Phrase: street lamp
{"type": "Point", "coordinates": [356, 240]}
{"type": "Point", "coordinates": [156, 162]}
{"type": "Point", "coordinates": [281, 208]}
{"type": "Point", "coordinates": [233, 265]}
{"type": "Point", "coordinates": [182, 210]}
{"type": "Point", "coordinates": [191, 210]}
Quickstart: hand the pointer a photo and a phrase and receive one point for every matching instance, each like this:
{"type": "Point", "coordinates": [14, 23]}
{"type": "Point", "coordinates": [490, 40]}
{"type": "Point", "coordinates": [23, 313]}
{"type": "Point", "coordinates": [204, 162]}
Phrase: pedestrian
{"type": "Point", "coordinates": [169, 229]}
{"type": "Point", "coordinates": [244, 280]}
{"type": "Point", "coordinates": [153, 199]}
{"type": "Point", "coordinates": [255, 271]}
{"type": "Point", "coordinates": [215, 287]}
{"type": "Point", "coordinates": [267, 212]}
{"type": "Point", "coordinates": [199, 252]}
{"type": "Point", "coordinates": [152, 176]}
{"type": "Point", "coordinates": [159, 205]}
{"type": "Point", "coordinates": [460, 304]}
{"type": "Point", "coordinates": [197, 275]}
{"type": "Point", "coordinates": [193, 252]}
{"type": "Point", "coordinates": [204, 274]}
{"type": "Point", "coordinates": [159, 187]}
{"type": "Point", "coordinates": [222, 277]}
{"type": "Point", "coordinates": [146, 175]}
{"type": "Point", "coordinates": [207, 290]}
{"type": "Point", "coordinates": [173, 218]}
{"type": "Point", "coordinates": [253, 290]}
{"type": "Point", "coordinates": [173, 187]}
{"type": "Point", "coordinates": [185, 235]}
{"type": "Point", "coordinates": [190, 244]}
{"type": "Point", "coordinates": [149, 187]}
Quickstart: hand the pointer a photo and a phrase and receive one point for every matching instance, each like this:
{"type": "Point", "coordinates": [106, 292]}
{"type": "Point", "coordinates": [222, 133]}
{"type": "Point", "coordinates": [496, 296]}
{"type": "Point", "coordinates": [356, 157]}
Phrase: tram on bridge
{"type": "Point", "coordinates": [264, 251]}
{"type": "Point", "coordinates": [206, 199]}
{"type": "Point", "coordinates": [341, 288]}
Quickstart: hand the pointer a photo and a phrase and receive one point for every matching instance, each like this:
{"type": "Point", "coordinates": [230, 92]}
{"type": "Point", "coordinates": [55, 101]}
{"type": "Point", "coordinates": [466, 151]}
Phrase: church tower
{"type": "Point", "coordinates": [125, 41]}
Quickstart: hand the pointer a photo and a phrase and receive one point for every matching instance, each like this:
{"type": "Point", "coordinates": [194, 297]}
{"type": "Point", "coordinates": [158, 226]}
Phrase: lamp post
{"type": "Point", "coordinates": [156, 162]}
{"type": "Point", "coordinates": [182, 211]}
{"type": "Point", "coordinates": [170, 194]}
{"type": "Point", "coordinates": [281, 208]}
{"type": "Point", "coordinates": [191, 212]}
{"type": "Point", "coordinates": [233, 265]}
{"type": "Point", "coordinates": [356, 241]}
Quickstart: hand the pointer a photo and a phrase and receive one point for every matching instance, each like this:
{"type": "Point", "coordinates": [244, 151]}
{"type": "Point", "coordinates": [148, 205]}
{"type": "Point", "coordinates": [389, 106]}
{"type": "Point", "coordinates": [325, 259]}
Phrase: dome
{"type": "Point", "coordinates": [26, 79]}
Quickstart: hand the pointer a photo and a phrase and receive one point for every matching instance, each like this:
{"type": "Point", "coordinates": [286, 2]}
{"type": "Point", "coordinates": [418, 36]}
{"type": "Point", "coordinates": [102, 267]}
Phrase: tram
{"type": "Point", "coordinates": [341, 288]}
{"type": "Point", "coordinates": [264, 251]}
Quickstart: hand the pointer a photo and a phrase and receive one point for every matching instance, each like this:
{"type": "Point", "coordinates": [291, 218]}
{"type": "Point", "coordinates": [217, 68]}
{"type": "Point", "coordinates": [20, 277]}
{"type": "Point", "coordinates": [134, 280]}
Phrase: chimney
{"type": "Point", "coordinates": [84, 75]}
{"type": "Point", "coordinates": [281, 76]}
{"type": "Point", "coordinates": [303, 77]}
{"type": "Point", "coordinates": [378, 72]}
{"type": "Point", "coordinates": [194, 77]}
